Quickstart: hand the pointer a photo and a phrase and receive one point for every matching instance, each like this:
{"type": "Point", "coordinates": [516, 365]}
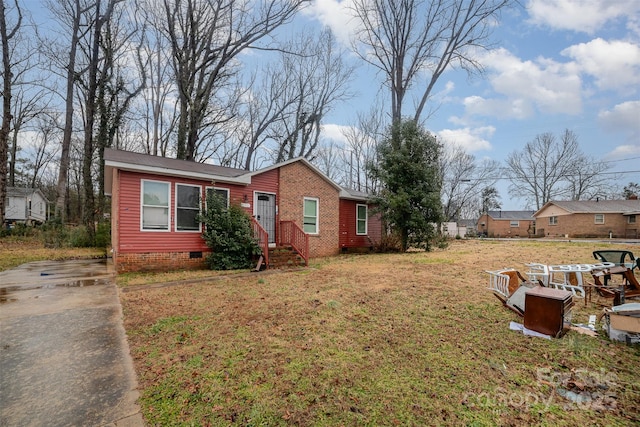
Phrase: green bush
{"type": "Point", "coordinates": [54, 233]}
{"type": "Point", "coordinates": [78, 237]}
{"type": "Point", "coordinates": [229, 234]}
{"type": "Point", "coordinates": [103, 235]}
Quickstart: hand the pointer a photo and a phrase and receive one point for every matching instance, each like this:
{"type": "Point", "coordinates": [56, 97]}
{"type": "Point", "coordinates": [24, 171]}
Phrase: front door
{"type": "Point", "coordinates": [266, 213]}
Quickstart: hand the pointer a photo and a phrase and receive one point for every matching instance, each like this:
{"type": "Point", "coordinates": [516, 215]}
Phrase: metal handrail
{"type": "Point", "coordinates": [262, 237]}
{"type": "Point", "coordinates": [292, 234]}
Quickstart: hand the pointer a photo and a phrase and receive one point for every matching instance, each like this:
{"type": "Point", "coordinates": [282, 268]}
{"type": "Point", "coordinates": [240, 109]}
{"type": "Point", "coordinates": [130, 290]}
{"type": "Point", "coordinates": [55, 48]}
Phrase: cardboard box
{"type": "Point", "coordinates": [624, 336]}
{"type": "Point", "coordinates": [624, 323]}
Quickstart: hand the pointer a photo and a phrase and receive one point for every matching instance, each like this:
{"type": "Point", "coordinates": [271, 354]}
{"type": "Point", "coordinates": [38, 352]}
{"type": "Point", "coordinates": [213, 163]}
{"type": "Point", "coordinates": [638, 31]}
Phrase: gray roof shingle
{"type": "Point", "coordinates": [512, 215]}
{"type": "Point", "coordinates": [598, 206]}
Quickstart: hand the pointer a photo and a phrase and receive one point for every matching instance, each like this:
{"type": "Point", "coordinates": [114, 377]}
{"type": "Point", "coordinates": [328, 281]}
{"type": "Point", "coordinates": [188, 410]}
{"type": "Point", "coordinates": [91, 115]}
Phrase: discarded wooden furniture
{"type": "Point", "coordinates": [505, 282]}
{"type": "Point", "coordinates": [629, 288]}
{"type": "Point", "coordinates": [509, 286]}
{"type": "Point", "coordinates": [547, 310]}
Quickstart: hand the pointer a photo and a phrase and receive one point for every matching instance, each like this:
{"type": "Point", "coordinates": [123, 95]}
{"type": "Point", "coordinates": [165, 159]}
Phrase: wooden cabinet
{"type": "Point", "coordinates": [546, 310]}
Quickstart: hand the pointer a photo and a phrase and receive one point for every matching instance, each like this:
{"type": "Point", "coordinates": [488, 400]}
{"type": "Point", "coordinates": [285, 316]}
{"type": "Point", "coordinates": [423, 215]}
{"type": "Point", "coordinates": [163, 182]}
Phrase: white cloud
{"type": "Point", "coordinates": [624, 152]}
{"type": "Point", "coordinates": [614, 64]}
{"type": "Point", "coordinates": [623, 119]}
{"type": "Point", "coordinates": [336, 15]}
{"type": "Point", "coordinates": [525, 87]}
{"type": "Point", "coordinates": [625, 116]}
{"type": "Point", "coordinates": [335, 132]}
{"type": "Point", "coordinates": [582, 15]}
{"type": "Point", "coordinates": [471, 139]}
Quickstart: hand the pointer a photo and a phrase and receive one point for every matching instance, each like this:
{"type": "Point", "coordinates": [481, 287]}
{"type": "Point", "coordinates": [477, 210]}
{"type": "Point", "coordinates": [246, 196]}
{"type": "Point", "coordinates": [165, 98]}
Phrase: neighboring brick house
{"type": "Point", "coordinates": [155, 202]}
{"type": "Point", "coordinates": [590, 218]}
{"type": "Point", "coordinates": [506, 224]}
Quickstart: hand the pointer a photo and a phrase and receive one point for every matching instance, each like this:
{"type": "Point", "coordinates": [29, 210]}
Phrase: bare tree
{"type": "Point", "coordinates": [7, 33]}
{"type": "Point", "coordinates": [320, 77]}
{"type": "Point", "coordinates": [71, 16]}
{"type": "Point", "coordinates": [461, 174]}
{"type": "Point", "coordinates": [28, 98]}
{"type": "Point", "coordinates": [406, 38]}
{"type": "Point", "coordinates": [42, 149]}
{"type": "Point", "coordinates": [328, 160]}
{"type": "Point", "coordinates": [160, 108]}
{"type": "Point", "coordinates": [362, 140]}
{"type": "Point", "coordinates": [548, 168]}
{"type": "Point", "coordinates": [116, 88]}
{"type": "Point", "coordinates": [587, 181]}
{"type": "Point", "coordinates": [266, 102]}
{"type": "Point", "coordinates": [206, 37]}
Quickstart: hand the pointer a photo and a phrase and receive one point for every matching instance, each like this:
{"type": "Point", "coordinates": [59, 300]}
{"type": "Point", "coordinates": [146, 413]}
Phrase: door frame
{"type": "Point", "coordinates": [275, 212]}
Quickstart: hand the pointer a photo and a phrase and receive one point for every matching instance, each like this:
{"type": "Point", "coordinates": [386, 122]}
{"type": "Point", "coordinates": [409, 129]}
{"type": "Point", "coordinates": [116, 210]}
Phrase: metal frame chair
{"type": "Point", "coordinates": [618, 257]}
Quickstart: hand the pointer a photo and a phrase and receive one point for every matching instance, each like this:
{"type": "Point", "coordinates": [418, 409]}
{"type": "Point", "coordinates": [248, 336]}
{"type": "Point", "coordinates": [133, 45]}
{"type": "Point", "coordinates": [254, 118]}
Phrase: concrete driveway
{"type": "Point", "coordinates": [64, 357]}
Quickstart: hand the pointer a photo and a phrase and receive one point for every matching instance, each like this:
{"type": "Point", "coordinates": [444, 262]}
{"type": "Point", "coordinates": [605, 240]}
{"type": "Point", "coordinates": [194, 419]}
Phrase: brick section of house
{"type": "Point", "coordinates": [495, 227]}
{"type": "Point", "coordinates": [158, 261]}
{"type": "Point", "coordinates": [584, 225]}
{"type": "Point", "coordinates": [298, 181]}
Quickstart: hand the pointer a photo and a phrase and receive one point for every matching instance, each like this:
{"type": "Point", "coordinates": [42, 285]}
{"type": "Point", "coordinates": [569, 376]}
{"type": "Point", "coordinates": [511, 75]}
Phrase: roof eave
{"type": "Point", "coordinates": [242, 179]}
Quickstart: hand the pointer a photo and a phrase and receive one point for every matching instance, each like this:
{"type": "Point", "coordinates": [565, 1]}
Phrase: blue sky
{"type": "Point", "coordinates": [562, 64]}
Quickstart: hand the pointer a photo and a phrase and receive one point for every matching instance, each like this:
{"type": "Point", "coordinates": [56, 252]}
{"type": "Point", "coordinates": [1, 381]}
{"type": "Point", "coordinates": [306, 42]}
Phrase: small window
{"type": "Point", "coordinates": [310, 216]}
{"type": "Point", "coordinates": [553, 220]}
{"type": "Point", "coordinates": [155, 205]}
{"type": "Point", "coordinates": [361, 219]}
{"type": "Point", "coordinates": [514, 224]}
{"type": "Point", "coordinates": [222, 192]}
{"type": "Point", "coordinates": [187, 207]}
{"type": "Point", "coordinates": [599, 218]}
{"type": "Point", "coordinates": [631, 219]}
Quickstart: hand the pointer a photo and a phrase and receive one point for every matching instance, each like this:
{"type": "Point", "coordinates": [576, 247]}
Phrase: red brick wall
{"type": "Point", "coordinates": [298, 181]}
{"type": "Point", "coordinates": [502, 227]}
{"type": "Point", "coordinates": [583, 225]}
{"type": "Point", "coordinates": [157, 261]}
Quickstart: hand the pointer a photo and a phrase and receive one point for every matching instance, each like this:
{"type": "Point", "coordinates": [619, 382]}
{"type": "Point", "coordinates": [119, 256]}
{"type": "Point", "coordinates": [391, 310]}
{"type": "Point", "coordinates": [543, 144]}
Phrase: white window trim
{"type": "Point", "coordinates": [366, 219]}
{"type": "Point", "coordinates": [514, 224]}
{"type": "Point", "coordinates": [553, 220]}
{"type": "Point", "coordinates": [206, 194]}
{"type": "Point", "coordinates": [155, 230]}
{"type": "Point", "coordinates": [595, 219]}
{"type": "Point", "coordinates": [175, 208]}
{"type": "Point", "coordinates": [317, 214]}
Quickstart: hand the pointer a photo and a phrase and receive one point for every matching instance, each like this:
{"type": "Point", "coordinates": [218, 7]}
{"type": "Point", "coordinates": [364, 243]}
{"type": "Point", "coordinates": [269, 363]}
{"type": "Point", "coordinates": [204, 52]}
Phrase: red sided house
{"type": "Point", "coordinates": [155, 202]}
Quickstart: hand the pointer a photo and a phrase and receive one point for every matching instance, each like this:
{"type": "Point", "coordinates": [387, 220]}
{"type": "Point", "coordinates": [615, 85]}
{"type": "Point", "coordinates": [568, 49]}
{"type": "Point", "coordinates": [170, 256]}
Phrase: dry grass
{"type": "Point", "coordinates": [19, 250]}
{"type": "Point", "coordinates": [408, 339]}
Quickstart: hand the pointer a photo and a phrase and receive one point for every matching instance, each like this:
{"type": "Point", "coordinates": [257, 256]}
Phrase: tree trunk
{"type": "Point", "coordinates": [65, 152]}
{"type": "Point", "coordinates": [5, 35]}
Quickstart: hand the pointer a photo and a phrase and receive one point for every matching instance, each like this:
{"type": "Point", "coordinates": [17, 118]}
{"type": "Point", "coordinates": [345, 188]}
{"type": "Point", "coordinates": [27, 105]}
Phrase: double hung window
{"type": "Point", "coordinates": [155, 205]}
{"type": "Point", "coordinates": [361, 219]}
{"type": "Point", "coordinates": [310, 215]}
{"type": "Point", "coordinates": [187, 207]}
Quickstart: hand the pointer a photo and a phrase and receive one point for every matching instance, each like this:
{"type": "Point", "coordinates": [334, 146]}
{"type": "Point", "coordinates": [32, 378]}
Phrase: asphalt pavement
{"type": "Point", "coordinates": [64, 357]}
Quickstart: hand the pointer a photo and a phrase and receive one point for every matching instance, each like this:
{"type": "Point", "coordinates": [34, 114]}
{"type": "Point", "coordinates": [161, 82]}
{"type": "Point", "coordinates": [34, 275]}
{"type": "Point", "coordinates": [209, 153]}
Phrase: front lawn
{"type": "Point", "coordinates": [403, 339]}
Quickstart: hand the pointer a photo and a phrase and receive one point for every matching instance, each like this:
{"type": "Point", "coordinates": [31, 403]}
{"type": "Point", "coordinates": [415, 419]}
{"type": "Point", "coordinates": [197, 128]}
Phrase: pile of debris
{"type": "Point", "coordinates": [545, 295]}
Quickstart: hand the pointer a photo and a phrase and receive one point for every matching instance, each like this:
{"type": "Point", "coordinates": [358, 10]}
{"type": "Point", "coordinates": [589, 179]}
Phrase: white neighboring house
{"type": "Point", "coordinates": [27, 205]}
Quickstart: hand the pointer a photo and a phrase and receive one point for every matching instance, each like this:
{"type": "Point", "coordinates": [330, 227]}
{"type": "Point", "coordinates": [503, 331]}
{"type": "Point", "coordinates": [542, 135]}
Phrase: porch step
{"type": "Point", "coordinates": [284, 257]}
